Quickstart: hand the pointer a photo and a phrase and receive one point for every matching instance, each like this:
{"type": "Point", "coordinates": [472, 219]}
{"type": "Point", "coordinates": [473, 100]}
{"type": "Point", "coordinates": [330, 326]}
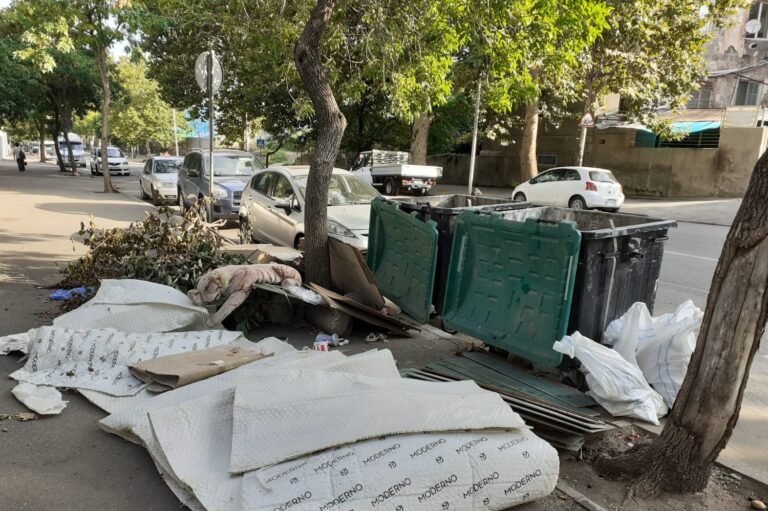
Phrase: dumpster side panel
{"type": "Point", "coordinates": [402, 254]}
{"type": "Point", "coordinates": [510, 284]}
{"type": "Point", "coordinates": [613, 274]}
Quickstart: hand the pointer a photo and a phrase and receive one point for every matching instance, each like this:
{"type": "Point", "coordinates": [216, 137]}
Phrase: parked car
{"type": "Point", "coordinates": [118, 162]}
{"type": "Point", "coordinates": [273, 207]}
{"type": "Point", "coordinates": [391, 172]}
{"type": "Point", "coordinates": [231, 172]}
{"type": "Point", "coordinates": [573, 187]}
{"type": "Point", "coordinates": [159, 178]}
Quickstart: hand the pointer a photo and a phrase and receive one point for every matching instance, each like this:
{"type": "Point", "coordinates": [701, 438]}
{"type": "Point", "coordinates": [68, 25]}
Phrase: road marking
{"type": "Point", "coordinates": [691, 255]}
{"type": "Point", "coordinates": [681, 286]}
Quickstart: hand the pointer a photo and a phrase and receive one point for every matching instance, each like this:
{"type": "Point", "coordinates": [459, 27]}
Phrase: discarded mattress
{"type": "Point", "coordinates": [314, 410]}
{"type": "Point", "coordinates": [99, 359]}
{"type": "Point", "coordinates": [462, 470]}
{"type": "Point", "coordinates": [136, 306]}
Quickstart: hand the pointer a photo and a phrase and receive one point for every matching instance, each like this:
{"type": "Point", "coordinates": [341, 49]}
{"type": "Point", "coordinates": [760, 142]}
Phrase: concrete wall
{"type": "Point", "coordinates": [678, 171]}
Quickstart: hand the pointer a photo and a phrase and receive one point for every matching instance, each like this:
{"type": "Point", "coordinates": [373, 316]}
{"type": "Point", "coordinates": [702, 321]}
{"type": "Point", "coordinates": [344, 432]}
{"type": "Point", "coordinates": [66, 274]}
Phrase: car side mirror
{"type": "Point", "coordinates": [284, 205]}
{"type": "Point", "coordinates": [532, 181]}
{"type": "Point", "coordinates": [193, 173]}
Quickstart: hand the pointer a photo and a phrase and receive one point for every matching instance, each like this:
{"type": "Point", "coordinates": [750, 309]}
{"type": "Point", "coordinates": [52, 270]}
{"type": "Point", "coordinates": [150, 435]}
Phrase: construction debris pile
{"type": "Point", "coordinates": [236, 425]}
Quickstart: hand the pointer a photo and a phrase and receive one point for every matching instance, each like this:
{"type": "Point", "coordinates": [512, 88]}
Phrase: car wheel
{"type": "Point", "coordinates": [181, 201]}
{"type": "Point", "coordinates": [245, 232]}
{"type": "Point", "coordinates": [390, 187]}
{"type": "Point", "coordinates": [577, 202]}
{"type": "Point", "coordinates": [519, 197]}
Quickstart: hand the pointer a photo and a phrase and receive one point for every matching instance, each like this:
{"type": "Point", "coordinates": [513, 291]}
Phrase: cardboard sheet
{"type": "Point", "coordinates": [136, 306]}
{"type": "Point", "coordinates": [99, 359]}
{"type": "Point", "coordinates": [314, 410]}
{"type": "Point", "coordinates": [350, 274]}
{"type": "Point", "coordinates": [174, 371]}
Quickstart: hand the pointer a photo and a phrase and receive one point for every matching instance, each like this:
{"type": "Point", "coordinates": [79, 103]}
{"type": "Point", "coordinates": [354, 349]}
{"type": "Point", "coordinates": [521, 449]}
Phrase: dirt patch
{"type": "Point", "coordinates": [726, 490]}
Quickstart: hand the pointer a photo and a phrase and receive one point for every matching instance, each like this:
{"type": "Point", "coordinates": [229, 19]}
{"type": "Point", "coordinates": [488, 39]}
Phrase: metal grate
{"type": "Point", "coordinates": [706, 138]}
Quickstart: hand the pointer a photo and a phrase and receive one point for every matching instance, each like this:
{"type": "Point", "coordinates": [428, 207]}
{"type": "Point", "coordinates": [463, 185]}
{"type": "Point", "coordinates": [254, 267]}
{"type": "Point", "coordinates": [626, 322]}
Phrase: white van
{"type": "Point", "coordinates": [78, 153]}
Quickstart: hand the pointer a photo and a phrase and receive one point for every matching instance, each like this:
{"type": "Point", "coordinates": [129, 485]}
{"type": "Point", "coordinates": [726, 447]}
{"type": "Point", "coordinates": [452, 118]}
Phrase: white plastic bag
{"type": "Point", "coordinates": [661, 347]}
{"type": "Point", "coordinates": [617, 385]}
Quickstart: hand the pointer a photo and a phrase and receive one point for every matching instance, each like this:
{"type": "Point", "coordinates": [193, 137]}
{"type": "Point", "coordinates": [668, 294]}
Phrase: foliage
{"type": "Point", "coordinates": [88, 124]}
{"type": "Point", "coordinates": [652, 53]}
{"type": "Point", "coordinates": [139, 115]}
{"type": "Point", "coordinates": [163, 248]}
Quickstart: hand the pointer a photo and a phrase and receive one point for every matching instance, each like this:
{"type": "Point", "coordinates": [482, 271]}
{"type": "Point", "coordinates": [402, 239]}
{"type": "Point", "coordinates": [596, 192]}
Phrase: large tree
{"type": "Point", "coordinates": [708, 404]}
{"type": "Point", "coordinates": [68, 25]}
{"type": "Point", "coordinates": [139, 115]}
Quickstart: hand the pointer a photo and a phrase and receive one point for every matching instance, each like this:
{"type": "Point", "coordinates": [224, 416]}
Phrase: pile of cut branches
{"type": "Point", "coordinates": [166, 249]}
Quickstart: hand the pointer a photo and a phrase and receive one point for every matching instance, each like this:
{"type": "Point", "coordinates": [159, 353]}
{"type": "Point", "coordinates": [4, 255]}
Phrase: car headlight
{"type": "Point", "coordinates": [220, 193]}
{"type": "Point", "coordinates": [339, 230]}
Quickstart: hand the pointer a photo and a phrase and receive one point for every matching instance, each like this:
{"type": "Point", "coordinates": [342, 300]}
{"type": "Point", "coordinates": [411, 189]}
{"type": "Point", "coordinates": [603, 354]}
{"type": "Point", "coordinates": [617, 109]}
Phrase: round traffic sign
{"type": "Point", "coordinates": [201, 71]}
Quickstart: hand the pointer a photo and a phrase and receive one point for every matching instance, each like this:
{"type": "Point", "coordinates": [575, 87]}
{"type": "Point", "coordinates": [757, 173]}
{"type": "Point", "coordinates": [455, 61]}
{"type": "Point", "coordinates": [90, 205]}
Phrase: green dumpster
{"type": "Point", "coordinates": [510, 284]}
{"type": "Point", "coordinates": [402, 254]}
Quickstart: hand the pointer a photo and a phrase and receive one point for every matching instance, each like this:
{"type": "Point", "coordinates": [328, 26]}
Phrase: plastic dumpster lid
{"type": "Point", "coordinates": [510, 284]}
{"type": "Point", "coordinates": [402, 254]}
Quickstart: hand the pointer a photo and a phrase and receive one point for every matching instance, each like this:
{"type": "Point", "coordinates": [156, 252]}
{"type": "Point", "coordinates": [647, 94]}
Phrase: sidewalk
{"type": "Point", "coordinates": [703, 211]}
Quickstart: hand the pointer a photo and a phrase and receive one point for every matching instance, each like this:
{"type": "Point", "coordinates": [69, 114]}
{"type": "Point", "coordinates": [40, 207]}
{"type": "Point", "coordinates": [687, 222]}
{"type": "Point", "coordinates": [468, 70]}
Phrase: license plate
{"type": "Point", "coordinates": [611, 202]}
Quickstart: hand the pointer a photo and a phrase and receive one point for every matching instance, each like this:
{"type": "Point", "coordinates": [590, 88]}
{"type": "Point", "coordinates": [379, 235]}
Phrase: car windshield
{"type": "Point", "coordinates": [602, 176]}
{"type": "Point", "coordinates": [234, 165]}
{"type": "Point", "coordinates": [167, 166]}
{"type": "Point", "coordinates": [343, 190]}
{"type": "Point", "coordinates": [114, 153]}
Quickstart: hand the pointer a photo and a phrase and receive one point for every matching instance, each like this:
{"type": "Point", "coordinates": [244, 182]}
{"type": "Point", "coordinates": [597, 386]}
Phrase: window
{"type": "Point", "coordinates": [546, 177]}
{"type": "Point", "coordinates": [602, 176]}
{"type": "Point", "coordinates": [234, 165]}
{"type": "Point", "coordinates": [343, 190]}
{"type": "Point", "coordinates": [114, 152]}
{"type": "Point", "coordinates": [148, 167]}
{"type": "Point", "coordinates": [747, 93]}
{"type": "Point", "coordinates": [546, 160]}
{"type": "Point", "coordinates": [570, 175]}
{"type": "Point", "coordinates": [166, 166]}
{"type": "Point", "coordinates": [262, 181]}
{"type": "Point", "coordinates": [759, 11]}
{"type": "Point", "coordinates": [282, 190]}
{"type": "Point", "coordinates": [701, 98]}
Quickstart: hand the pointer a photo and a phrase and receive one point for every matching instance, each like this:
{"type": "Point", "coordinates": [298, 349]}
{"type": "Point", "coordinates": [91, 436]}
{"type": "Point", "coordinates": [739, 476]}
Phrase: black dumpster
{"type": "Point", "coordinates": [619, 262]}
{"type": "Point", "coordinates": [444, 210]}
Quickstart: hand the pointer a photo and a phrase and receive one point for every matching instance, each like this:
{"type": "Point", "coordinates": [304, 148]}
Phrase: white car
{"type": "Point", "coordinates": [158, 179]}
{"type": "Point", "coordinates": [573, 187]}
{"type": "Point", "coordinates": [272, 207]}
{"type": "Point", "coordinates": [118, 162]}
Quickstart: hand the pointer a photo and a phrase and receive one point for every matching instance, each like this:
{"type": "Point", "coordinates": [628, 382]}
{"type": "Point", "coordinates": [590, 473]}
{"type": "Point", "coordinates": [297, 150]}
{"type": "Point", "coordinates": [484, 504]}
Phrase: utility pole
{"type": "Point", "coordinates": [474, 137]}
{"type": "Point", "coordinates": [211, 56]}
{"type": "Point", "coordinates": [175, 133]}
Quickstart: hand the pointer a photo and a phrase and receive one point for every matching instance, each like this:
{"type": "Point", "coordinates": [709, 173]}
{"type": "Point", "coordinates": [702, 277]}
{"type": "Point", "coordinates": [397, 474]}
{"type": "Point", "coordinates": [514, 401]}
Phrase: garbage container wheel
{"type": "Point", "coordinates": [519, 197]}
{"type": "Point", "coordinates": [577, 202]}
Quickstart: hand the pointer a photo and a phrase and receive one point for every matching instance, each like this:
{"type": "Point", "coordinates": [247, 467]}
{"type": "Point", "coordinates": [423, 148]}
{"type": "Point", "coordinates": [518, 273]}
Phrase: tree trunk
{"type": "Point", "coordinates": [57, 150]}
{"type": "Point", "coordinates": [72, 162]}
{"type": "Point", "coordinates": [528, 165]}
{"type": "Point", "coordinates": [330, 129]}
{"type": "Point", "coordinates": [270, 153]}
{"type": "Point", "coordinates": [41, 134]}
{"type": "Point", "coordinates": [101, 61]}
{"type": "Point", "coordinates": [709, 401]}
{"type": "Point", "coordinates": [419, 138]}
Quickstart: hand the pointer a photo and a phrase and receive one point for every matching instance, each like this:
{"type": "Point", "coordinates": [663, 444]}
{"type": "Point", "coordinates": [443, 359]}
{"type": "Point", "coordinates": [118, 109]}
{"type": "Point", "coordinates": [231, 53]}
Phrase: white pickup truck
{"type": "Point", "coordinates": [390, 172]}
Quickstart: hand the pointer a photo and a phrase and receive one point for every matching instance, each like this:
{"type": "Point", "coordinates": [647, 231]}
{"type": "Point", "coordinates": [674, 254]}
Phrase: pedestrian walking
{"type": "Point", "coordinates": [21, 158]}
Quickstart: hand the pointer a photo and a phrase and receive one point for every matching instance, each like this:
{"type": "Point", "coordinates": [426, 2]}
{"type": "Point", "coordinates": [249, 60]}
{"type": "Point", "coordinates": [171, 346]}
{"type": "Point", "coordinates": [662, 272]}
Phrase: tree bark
{"type": "Point", "coordinates": [420, 137]}
{"type": "Point", "coordinates": [330, 130]}
{"type": "Point", "coordinates": [101, 61]}
{"type": "Point", "coordinates": [72, 162]}
{"type": "Point", "coordinates": [528, 164]}
{"type": "Point", "coordinates": [56, 129]}
{"type": "Point", "coordinates": [708, 404]}
{"type": "Point", "coordinates": [41, 135]}
{"type": "Point", "coordinates": [270, 153]}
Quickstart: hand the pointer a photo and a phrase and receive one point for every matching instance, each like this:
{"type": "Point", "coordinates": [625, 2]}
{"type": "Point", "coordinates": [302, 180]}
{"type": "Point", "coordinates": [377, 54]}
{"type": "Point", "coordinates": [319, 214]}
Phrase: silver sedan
{"type": "Point", "coordinates": [272, 208]}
